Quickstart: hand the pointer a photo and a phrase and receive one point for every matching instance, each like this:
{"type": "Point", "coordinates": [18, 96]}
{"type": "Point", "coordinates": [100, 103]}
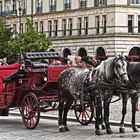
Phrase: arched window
{"type": "Point", "coordinates": [66, 52]}
{"type": "Point", "coordinates": [100, 54]}
{"type": "Point", "coordinates": [134, 54]}
{"type": "Point", "coordinates": [52, 50]}
{"type": "Point", "coordinates": [82, 52]}
{"type": "Point", "coordinates": [135, 51]}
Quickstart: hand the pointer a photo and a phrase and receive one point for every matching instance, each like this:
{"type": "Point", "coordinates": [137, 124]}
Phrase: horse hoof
{"type": "Point", "coordinates": [109, 131]}
{"type": "Point", "coordinates": [122, 130]}
{"type": "Point", "coordinates": [135, 129]}
{"type": "Point", "coordinates": [97, 132]}
{"type": "Point", "coordinates": [103, 127]}
{"type": "Point", "coordinates": [61, 129]}
{"type": "Point", "coordinates": [66, 129]}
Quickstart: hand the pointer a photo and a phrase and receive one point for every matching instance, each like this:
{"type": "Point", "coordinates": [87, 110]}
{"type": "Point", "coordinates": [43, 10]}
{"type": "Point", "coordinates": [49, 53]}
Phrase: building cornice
{"type": "Point", "coordinates": [114, 35]}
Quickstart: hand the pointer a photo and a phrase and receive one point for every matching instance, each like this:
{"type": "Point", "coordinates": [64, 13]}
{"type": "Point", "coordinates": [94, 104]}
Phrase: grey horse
{"type": "Point", "coordinates": [73, 83]}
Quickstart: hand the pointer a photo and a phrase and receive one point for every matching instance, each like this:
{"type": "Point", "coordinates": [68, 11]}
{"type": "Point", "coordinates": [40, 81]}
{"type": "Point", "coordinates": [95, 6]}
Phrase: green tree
{"type": "Point", "coordinates": [30, 41]}
{"type": "Point", "coordinates": [5, 35]}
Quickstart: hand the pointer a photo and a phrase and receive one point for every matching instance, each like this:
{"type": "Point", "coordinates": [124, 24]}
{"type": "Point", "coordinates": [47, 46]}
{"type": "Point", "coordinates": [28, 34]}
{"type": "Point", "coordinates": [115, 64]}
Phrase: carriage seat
{"type": "Point", "coordinates": [7, 71]}
{"type": "Point", "coordinates": [35, 64]}
{"type": "Point", "coordinates": [34, 59]}
{"type": "Point", "coordinates": [19, 74]}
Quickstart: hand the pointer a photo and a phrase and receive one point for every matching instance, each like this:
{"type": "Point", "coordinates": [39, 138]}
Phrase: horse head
{"type": "Point", "coordinates": [92, 61]}
{"type": "Point", "coordinates": [114, 68]}
{"type": "Point", "coordinates": [120, 68]}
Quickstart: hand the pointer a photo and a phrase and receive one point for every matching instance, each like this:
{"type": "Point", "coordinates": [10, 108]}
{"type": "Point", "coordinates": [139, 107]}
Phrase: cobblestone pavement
{"type": "Point", "coordinates": [12, 128]}
{"type": "Point", "coordinates": [115, 112]}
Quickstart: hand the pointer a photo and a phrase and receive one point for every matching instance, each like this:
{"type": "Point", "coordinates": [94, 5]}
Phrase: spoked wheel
{"type": "Point", "coordinates": [84, 114]}
{"type": "Point", "coordinates": [30, 111]}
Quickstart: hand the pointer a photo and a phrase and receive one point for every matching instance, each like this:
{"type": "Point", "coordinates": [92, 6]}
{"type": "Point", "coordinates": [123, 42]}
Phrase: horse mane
{"type": "Point", "coordinates": [105, 67]}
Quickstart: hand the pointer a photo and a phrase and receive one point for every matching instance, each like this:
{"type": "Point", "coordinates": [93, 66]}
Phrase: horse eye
{"type": "Point", "coordinates": [118, 65]}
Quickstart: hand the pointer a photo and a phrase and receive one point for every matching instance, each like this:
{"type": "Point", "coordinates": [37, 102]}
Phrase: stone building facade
{"type": "Point", "coordinates": [80, 27]}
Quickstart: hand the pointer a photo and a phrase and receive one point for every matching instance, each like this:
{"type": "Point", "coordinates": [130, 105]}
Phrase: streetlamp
{"type": "Point", "coordinates": [32, 11]}
{"type": "Point", "coordinates": [20, 9]}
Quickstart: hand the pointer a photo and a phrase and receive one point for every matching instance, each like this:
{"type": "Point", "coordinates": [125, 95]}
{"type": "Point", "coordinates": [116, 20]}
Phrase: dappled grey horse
{"type": "Point", "coordinates": [74, 82]}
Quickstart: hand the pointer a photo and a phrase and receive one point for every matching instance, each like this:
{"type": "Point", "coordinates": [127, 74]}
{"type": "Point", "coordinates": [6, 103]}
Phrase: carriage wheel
{"type": "Point", "coordinates": [30, 111]}
{"type": "Point", "coordinates": [84, 115]}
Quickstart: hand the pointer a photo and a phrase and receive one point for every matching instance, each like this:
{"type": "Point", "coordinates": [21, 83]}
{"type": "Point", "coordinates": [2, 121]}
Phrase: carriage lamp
{"type": "Point", "coordinates": [20, 81]}
{"type": "Point", "coordinates": [45, 79]}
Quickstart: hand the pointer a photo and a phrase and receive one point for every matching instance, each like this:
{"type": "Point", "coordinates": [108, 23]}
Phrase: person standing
{"type": "Point", "coordinates": [78, 62]}
{"type": "Point", "coordinates": [4, 62]}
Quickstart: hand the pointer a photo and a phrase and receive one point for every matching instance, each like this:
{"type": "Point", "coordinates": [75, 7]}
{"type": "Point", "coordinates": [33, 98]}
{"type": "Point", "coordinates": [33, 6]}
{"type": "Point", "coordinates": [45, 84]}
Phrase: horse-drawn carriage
{"type": "Point", "coordinates": [36, 86]}
{"type": "Point", "coordinates": [32, 87]}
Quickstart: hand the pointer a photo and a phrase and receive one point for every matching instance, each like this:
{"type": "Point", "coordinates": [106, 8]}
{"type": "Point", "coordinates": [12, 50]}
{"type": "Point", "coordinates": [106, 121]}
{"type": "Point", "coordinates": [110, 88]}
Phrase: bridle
{"type": "Point", "coordinates": [119, 75]}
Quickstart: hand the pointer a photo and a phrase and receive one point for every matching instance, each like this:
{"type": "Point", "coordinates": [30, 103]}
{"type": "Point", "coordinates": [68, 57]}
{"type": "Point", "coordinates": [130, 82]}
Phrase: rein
{"type": "Point", "coordinates": [116, 100]}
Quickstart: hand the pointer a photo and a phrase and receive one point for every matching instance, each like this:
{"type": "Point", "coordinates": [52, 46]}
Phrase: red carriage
{"type": "Point", "coordinates": [33, 88]}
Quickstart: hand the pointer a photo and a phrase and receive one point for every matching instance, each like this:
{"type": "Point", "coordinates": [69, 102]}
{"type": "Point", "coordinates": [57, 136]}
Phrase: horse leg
{"type": "Point", "coordinates": [134, 102]}
{"type": "Point", "coordinates": [102, 121]}
{"type": "Point", "coordinates": [98, 106]}
{"type": "Point", "coordinates": [106, 115]}
{"type": "Point", "coordinates": [66, 109]}
{"type": "Point", "coordinates": [124, 107]}
{"type": "Point", "coordinates": [60, 119]}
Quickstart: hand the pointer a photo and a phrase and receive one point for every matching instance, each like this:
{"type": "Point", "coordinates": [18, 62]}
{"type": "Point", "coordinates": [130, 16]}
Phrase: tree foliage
{"type": "Point", "coordinates": [5, 35]}
{"type": "Point", "coordinates": [30, 41]}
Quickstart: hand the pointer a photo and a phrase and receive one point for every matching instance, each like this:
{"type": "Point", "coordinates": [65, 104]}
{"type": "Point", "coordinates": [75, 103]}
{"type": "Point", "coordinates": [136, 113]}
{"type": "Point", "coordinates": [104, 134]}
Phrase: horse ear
{"type": "Point", "coordinates": [116, 56]}
{"type": "Point", "coordinates": [115, 53]}
{"type": "Point", "coordinates": [122, 53]}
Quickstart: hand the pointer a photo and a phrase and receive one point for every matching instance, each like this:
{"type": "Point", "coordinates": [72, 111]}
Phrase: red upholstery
{"type": "Point", "coordinates": [6, 71]}
{"type": "Point", "coordinates": [132, 58]}
{"type": "Point", "coordinates": [14, 66]}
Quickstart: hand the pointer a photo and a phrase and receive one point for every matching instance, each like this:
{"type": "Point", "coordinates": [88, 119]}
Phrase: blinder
{"type": "Point", "coordinates": [119, 75]}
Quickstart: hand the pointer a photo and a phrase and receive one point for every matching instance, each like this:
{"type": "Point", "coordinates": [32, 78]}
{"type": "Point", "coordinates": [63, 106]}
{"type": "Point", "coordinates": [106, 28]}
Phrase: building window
{"type": "Point", "coordinates": [21, 28]}
{"type": "Point", "coordinates": [1, 8]}
{"type": "Point", "coordinates": [14, 5]}
{"type": "Point", "coordinates": [7, 6]}
{"type": "Point", "coordinates": [55, 27]}
{"type": "Point", "coordinates": [38, 5]}
{"type": "Point", "coordinates": [79, 26]}
{"type": "Point", "coordinates": [52, 5]}
{"type": "Point", "coordinates": [50, 28]}
{"type": "Point", "coordinates": [41, 27]}
{"type": "Point", "coordinates": [130, 23]}
{"type": "Point", "coordinates": [100, 2]}
{"type": "Point", "coordinates": [83, 3]}
{"type": "Point", "coordinates": [97, 24]}
{"type": "Point", "coordinates": [36, 26]}
{"type": "Point", "coordinates": [67, 4]}
{"type": "Point", "coordinates": [139, 24]}
{"type": "Point", "coordinates": [86, 25]}
{"type": "Point", "coordinates": [15, 28]}
{"type": "Point", "coordinates": [70, 26]}
{"type": "Point", "coordinates": [134, 1]}
{"type": "Point", "coordinates": [26, 27]}
{"type": "Point", "coordinates": [24, 6]}
{"type": "Point", "coordinates": [64, 26]}
{"type": "Point", "coordinates": [104, 23]}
